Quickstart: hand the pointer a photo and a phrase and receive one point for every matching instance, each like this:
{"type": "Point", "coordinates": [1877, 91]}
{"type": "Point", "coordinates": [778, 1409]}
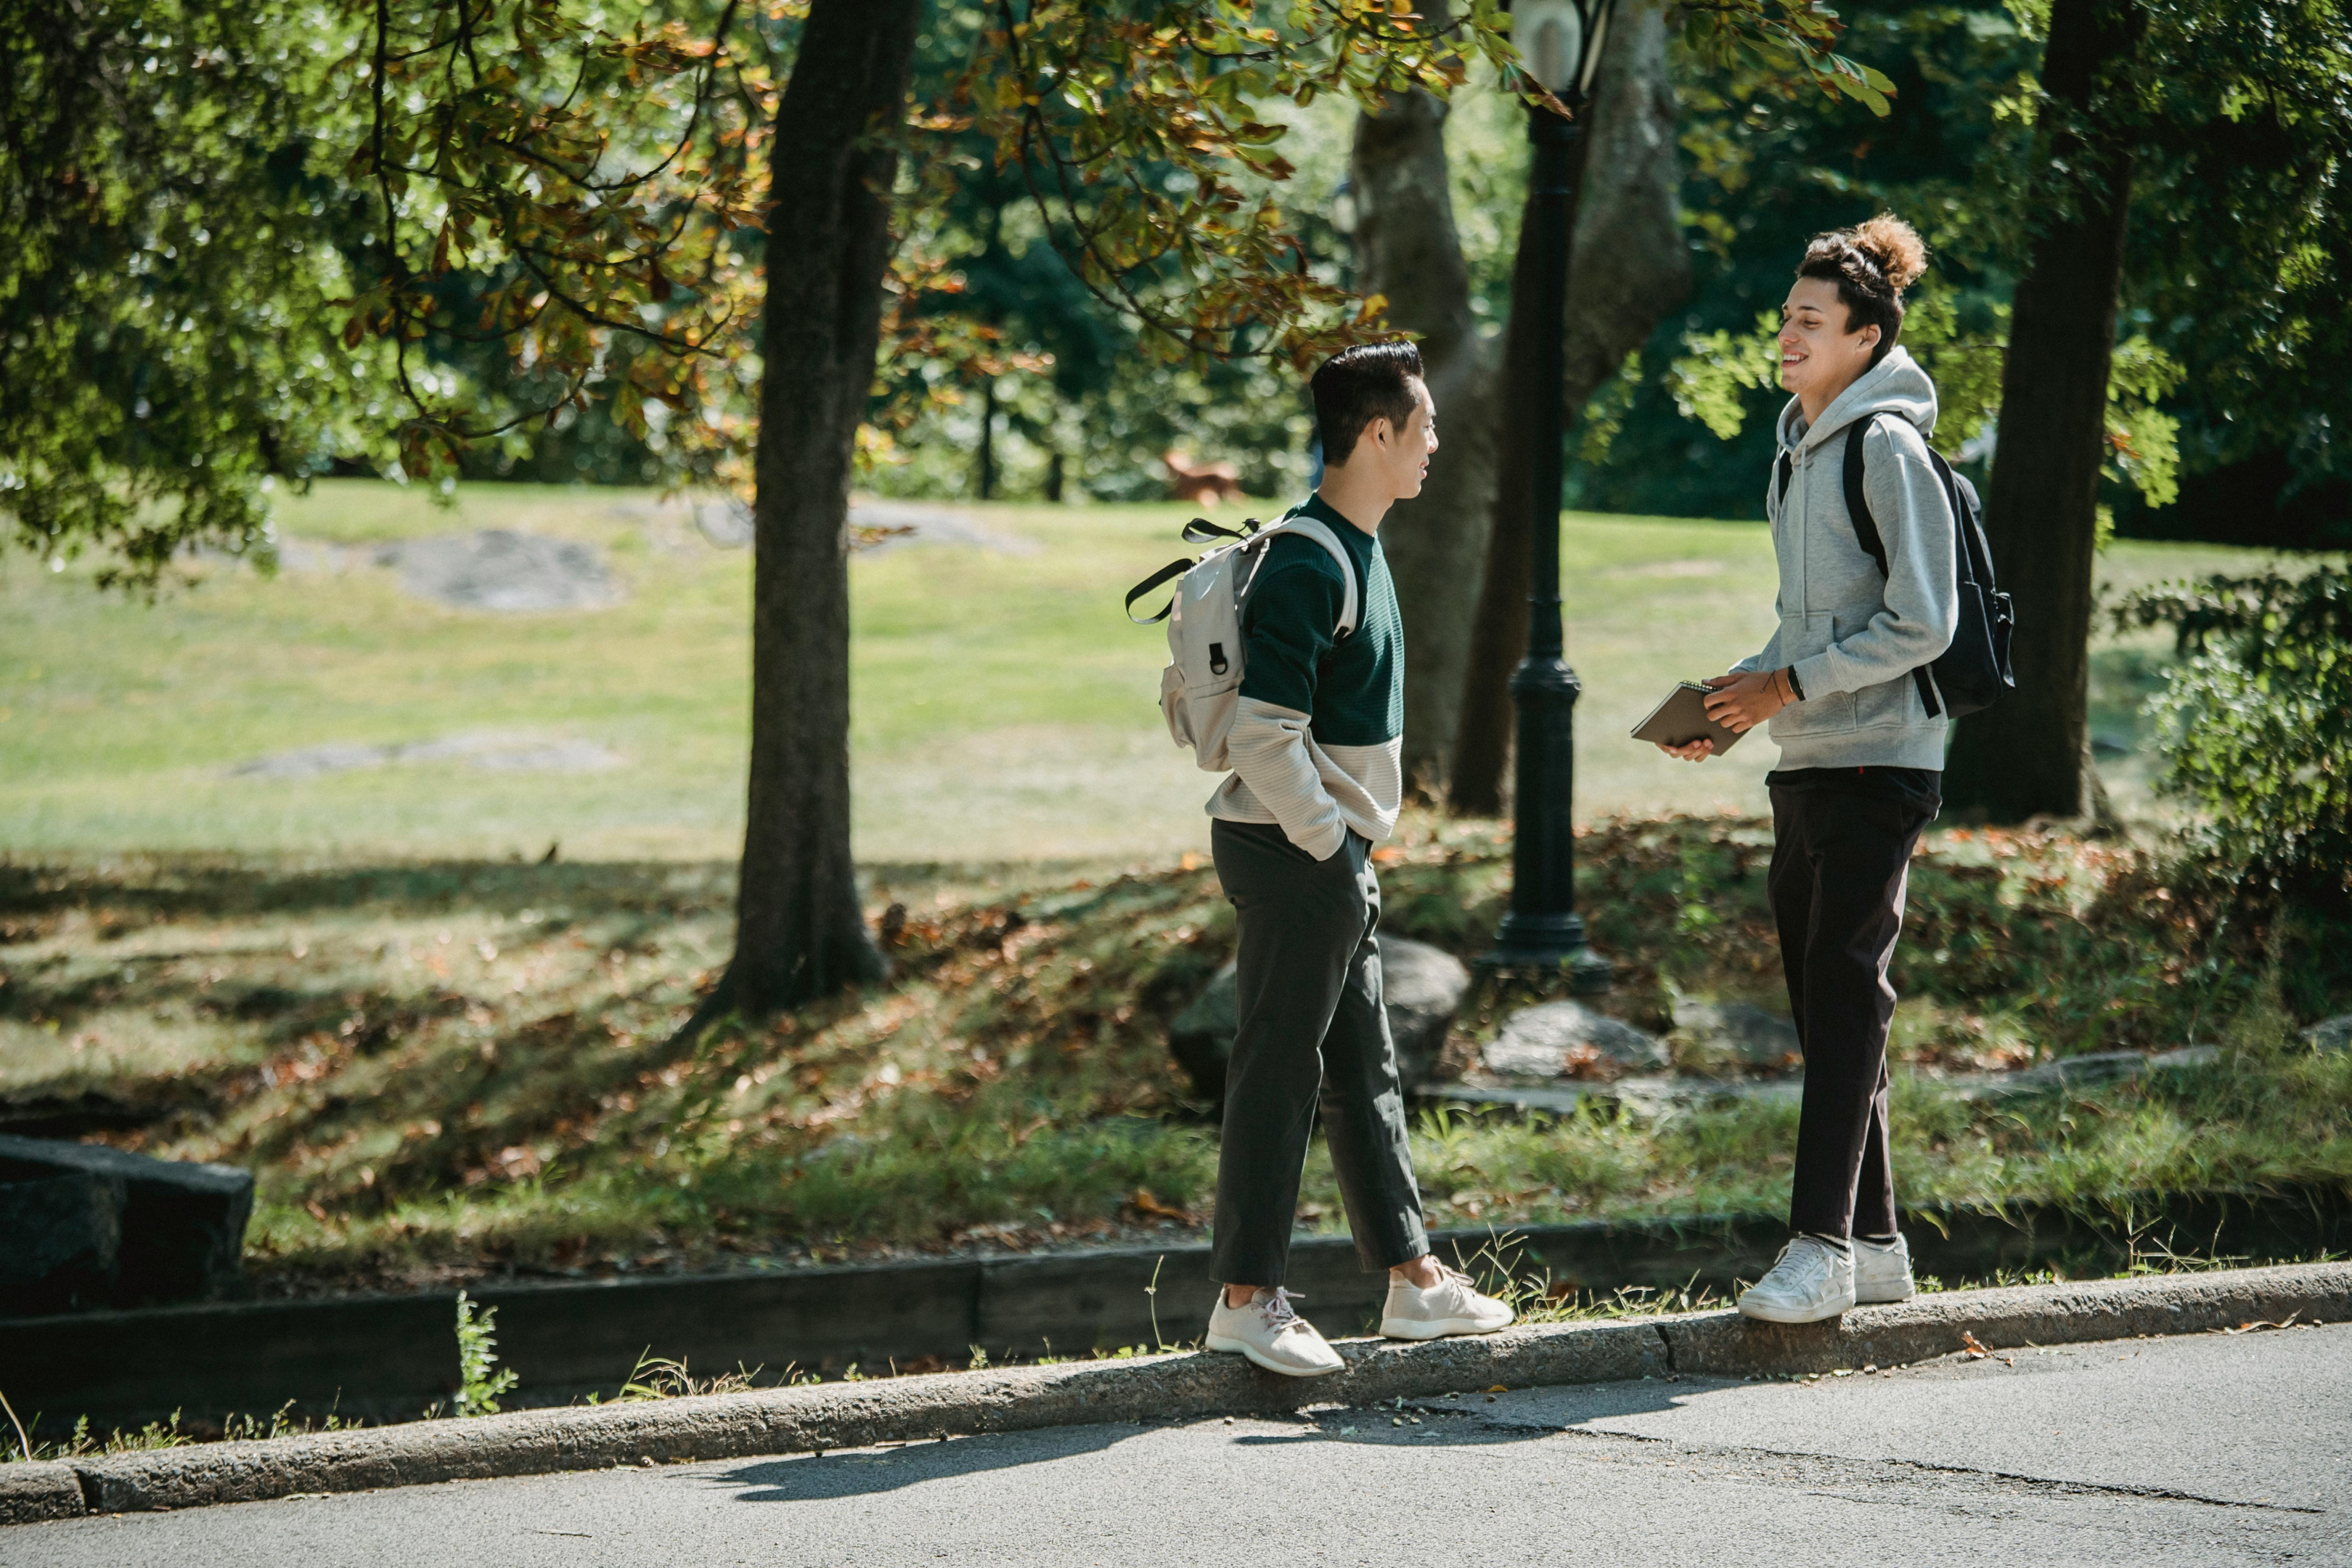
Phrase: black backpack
{"type": "Point", "coordinates": [1975, 670]}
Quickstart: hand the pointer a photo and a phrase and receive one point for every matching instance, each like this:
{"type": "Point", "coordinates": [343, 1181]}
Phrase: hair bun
{"type": "Point", "coordinates": [1895, 247]}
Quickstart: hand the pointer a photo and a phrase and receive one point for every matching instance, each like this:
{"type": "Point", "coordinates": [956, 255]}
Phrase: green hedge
{"type": "Point", "coordinates": [2257, 718]}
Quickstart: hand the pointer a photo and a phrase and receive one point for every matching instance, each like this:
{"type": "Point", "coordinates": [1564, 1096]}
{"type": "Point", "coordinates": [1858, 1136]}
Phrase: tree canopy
{"type": "Point", "coordinates": [2233, 352]}
{"type": "Point", "coordinates": [172, 235]}
{"type": "Point", "coordinates": [255, 245]}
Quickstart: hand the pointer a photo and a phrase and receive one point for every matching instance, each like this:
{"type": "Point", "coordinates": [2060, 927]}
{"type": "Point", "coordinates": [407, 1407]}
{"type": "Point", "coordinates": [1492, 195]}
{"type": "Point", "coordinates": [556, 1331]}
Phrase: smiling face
{"type": "Point", "coordinates": [1818, 357]}
{"type": "Point", "coordinates": [1401, 455]}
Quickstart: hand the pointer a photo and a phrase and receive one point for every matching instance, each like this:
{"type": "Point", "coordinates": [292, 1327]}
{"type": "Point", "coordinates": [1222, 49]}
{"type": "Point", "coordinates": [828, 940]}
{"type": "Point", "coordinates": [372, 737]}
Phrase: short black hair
{"type": "Point", "coordinates": [1358, 385]}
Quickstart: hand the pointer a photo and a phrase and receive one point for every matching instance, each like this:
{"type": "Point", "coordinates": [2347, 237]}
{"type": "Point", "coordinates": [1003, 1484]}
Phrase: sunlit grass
{"type": "Point", "coordinates": [1003, 708]}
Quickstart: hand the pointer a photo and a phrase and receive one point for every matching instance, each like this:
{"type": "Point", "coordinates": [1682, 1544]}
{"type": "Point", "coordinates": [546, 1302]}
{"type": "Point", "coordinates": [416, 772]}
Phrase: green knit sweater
{"type": "Point", "coordinates": [1317, 740]}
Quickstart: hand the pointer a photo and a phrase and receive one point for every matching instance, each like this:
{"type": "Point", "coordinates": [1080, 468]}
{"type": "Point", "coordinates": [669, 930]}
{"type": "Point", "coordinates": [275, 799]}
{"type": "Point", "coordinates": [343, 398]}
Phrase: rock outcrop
{"type": "Point", "coordinates": [1423, 985]}
{"type": "Point", "coordinates": [1558, 1039]}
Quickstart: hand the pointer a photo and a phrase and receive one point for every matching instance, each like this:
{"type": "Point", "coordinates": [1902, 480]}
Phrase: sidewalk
{"type": "Point", "coordinates": [832, 1416]}
{"type": "Point", "coordinates": [2210, 1448]}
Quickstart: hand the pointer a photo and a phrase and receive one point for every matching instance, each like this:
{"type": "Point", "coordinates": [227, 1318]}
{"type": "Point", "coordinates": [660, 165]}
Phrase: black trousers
{"type": "Point", "coordinates": [1841, 862]}
{"type": "Point", "coordinates": [1313, 1030]}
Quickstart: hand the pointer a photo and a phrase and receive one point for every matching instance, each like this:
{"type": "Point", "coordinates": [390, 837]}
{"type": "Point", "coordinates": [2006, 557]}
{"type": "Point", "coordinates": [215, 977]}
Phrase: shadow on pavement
{"type": "Point", "coordinates": [817, 1478]}
{"type": "Point", "coordinates": [1470, 1420]}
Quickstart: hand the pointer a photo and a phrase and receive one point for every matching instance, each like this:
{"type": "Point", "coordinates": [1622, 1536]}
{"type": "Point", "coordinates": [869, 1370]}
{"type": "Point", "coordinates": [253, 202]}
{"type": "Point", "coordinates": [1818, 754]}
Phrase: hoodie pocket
{"type": "Point", "coordinates": [1890, 704]}
{"type": "Point", "coordinates": [1801, 635]}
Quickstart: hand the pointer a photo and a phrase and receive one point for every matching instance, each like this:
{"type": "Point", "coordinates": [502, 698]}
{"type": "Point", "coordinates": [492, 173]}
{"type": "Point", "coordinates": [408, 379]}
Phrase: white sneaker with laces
{"type": "Point", "coordinates": [1270, 1332]}
{"type": "Point", "coordinates": [1452, 1306]}
{"type": "Point", "coordinates": [1882, 1271]}
{"type": "Point", "coordinates": [1810, 1280]}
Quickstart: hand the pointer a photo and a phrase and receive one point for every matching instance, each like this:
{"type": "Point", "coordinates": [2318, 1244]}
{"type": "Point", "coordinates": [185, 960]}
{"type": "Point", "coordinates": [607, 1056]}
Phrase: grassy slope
{"type": "Point", "coordinates": [449, 1068]}
{"type": "Point", "coordinates": [1003, 709]}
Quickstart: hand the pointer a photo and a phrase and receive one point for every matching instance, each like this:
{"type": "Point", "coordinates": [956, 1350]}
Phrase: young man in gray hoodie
{"type": "Point", "coordinates": [1861, 758]}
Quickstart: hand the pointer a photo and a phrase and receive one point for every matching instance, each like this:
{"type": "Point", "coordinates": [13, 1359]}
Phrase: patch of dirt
{"type": "Point", "coordinates": [485, 751]}
{"type": "Point", "coordinates": [500, 569]}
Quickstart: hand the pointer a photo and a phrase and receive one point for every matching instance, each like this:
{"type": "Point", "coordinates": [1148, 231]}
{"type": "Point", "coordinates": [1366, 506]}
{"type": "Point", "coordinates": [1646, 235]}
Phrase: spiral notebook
{"type": "Point", "coordinates": [1682, 717]}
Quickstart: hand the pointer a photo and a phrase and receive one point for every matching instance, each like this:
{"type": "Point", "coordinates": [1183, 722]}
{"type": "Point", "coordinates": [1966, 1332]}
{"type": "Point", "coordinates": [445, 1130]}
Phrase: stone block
{"type": "Point", "coordinates": [181, 1223]}
{"type": "Point", "coordinates": [1423, 987]}
{"type": "Point", "coordinates": [60, 1237]}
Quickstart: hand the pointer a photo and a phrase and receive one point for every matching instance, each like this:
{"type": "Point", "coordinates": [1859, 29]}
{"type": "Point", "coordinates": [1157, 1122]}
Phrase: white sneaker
{"type": "Point", "coordinates": [1452, 1306]}
{"type": "Point", "coordinates": [1270, 1331]}
{"type": "Point", "coordinates": [1882, 1271]}
{"type": "Point", "coordinates": [1810, 1280]}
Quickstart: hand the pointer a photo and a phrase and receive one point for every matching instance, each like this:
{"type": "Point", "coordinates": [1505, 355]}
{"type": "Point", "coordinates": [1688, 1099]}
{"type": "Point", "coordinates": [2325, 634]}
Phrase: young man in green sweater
{"type": "Point", "coordinates": [1316, 783]}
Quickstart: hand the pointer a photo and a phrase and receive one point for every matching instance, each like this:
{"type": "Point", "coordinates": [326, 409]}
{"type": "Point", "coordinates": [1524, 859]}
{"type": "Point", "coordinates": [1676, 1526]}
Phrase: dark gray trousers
{"type": "Point", "coordinates": [1841, 863]}
{"type": "Point", "coordinates": [1313, 1029]}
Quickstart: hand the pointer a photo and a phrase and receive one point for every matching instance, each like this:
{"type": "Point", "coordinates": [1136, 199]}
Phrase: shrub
{"type": "Point", "coordinates": [2258, 718]}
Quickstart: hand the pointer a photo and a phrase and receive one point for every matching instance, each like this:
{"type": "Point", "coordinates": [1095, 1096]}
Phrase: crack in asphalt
{"type": "Point", "coordinates": [1908, 1472]}
{"type": "Point", "coordinates": [1824, 1471]}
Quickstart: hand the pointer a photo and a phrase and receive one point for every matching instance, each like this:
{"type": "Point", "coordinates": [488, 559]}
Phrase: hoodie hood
{"type": "Point", "coordinates": [1896, 385]}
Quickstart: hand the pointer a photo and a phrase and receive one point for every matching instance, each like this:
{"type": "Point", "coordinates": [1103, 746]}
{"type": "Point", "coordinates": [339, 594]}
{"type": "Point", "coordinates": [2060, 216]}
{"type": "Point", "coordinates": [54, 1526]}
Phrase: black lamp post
{"type": "Point", "coordinates": [1562, 42]}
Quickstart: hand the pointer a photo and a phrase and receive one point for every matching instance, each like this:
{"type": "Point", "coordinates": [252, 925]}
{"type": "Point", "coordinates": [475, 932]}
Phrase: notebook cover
{"type": "Point", "coordinates": [1681, 719]}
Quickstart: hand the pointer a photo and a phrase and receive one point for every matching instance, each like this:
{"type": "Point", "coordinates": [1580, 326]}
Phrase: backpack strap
{"type": "Point", "coordinates": [1200, 530]}
{"type": "Point", "coordinates": [1167, 574]}
{"type": "Point", "coordinates": [1866, 533]}
{"type": "Point", "coordinates": [1857, 504]}
{"type": "Point", "coordinates": [1349, 608]}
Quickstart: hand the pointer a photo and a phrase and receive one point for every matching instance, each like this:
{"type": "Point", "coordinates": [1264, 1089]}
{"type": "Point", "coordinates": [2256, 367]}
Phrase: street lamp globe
{"type": "Point", "coordinates": [1560, 41]}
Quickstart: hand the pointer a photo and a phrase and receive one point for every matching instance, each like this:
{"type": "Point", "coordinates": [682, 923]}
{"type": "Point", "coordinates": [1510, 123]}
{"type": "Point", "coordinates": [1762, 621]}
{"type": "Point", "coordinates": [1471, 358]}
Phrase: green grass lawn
{"type": "Point", "coordinates": [1003, 708]}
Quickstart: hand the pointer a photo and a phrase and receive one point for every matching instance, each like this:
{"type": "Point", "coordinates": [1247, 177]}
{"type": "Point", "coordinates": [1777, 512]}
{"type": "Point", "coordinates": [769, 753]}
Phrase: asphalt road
{"type": "Point", "coordinates": [2206, 1450]}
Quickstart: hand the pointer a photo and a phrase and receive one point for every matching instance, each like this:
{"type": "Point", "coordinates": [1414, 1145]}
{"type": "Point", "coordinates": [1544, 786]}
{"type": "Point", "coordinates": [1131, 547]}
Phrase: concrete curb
{"type": "Point", "coordinates": [30, 1493]}
{"type": "Point", "coordinates": [386, 1357]}
{"type": "Point", "coordinates": [818, 1417]}
{"type": "Point", "coordinates": [1724, 1344]}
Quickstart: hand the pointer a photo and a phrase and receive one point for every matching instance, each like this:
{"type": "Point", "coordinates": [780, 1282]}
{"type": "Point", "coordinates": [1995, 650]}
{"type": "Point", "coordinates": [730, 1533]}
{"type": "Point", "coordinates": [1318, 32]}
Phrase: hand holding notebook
{"type": "Point", "coordinates": [1681, 719]}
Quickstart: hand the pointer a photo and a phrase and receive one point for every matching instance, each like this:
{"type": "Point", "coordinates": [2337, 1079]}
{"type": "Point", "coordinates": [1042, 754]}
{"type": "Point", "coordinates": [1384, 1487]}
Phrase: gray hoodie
{"type": "Point", "coordinates": [1854, 637]}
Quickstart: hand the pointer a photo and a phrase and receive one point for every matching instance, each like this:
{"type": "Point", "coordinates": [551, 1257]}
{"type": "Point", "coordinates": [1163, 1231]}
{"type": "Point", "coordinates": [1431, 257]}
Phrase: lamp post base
{"type": "Point", "coordinates": [1552, 945]}
{"type": "Point", "coordinates": [1543, 934]}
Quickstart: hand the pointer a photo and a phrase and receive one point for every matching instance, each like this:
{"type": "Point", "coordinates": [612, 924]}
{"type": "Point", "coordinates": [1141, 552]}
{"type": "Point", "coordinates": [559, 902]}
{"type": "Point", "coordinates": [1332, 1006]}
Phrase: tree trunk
{"type": "Point", "coordinates": [2029, 754]}
{"type": "Point", "coordinates": [1407, 248]}
{"type": "Point", "coordinates": [1630, 265]}
{"type": "Point", "coordinates": [799, 931]}
{"type": "Point", "coordinates": [987, 440]}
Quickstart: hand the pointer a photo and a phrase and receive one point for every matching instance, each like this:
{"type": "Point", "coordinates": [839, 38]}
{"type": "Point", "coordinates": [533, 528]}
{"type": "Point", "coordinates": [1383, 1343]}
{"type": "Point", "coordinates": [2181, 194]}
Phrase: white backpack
{"type": "Point", "coordinates": [1201, 688]}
